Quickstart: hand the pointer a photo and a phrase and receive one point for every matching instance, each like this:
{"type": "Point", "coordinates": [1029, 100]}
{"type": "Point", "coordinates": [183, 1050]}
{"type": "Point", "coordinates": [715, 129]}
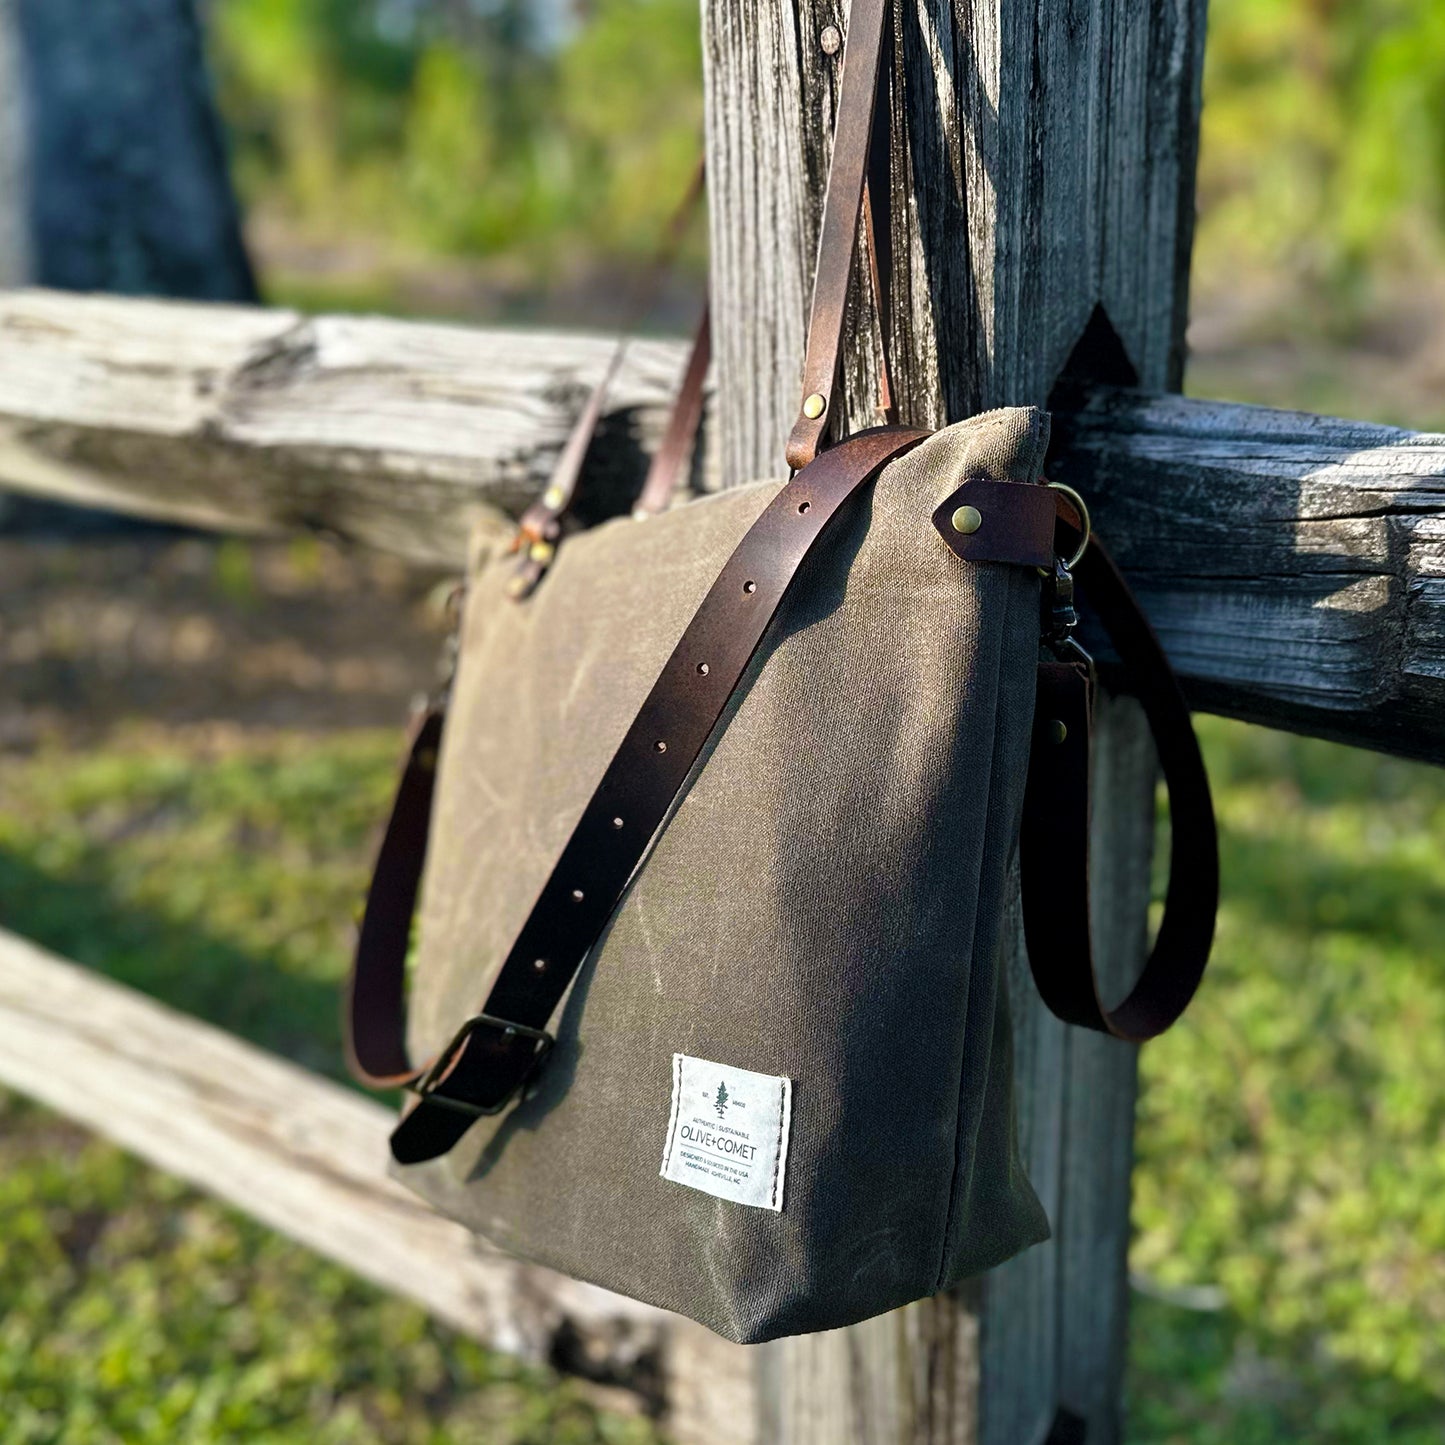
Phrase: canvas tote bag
{"type": "Point", "coordinates": [720, 825]}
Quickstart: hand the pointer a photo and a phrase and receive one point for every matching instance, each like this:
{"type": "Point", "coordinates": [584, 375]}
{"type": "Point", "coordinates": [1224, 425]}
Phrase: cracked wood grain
{"type": "Point", "coordinates": [398, 435]}
{"type": "Point", "coordinates": [1293, 565]}
{"type": "Point", "coordinates": [1042, 192]}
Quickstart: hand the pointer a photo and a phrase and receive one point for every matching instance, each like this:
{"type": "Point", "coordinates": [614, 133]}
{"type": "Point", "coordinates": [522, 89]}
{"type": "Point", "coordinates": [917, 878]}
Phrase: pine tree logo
{"type": "Point", "coordinates": [721, 1102]}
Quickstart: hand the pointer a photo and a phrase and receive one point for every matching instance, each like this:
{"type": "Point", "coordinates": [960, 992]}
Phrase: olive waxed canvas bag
{"type": "Point", "coordinates": [721, 825]}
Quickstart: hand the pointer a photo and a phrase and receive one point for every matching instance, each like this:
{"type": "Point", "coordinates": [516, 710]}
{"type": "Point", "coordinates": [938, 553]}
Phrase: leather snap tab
{"type": "Point", "coordinates": [967, 520]}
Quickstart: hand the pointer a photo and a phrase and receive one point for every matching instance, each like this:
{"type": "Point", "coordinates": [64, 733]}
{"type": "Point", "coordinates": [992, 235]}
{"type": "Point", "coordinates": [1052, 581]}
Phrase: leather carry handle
{"type": "Point", "coordinates": [1057, 926]}
{"type": "Point", "coordinates": [540, 527]}
{"type": "Point", "coordinates": [838, 235]}
{"type": "Point", "coordinates": [683, 426]}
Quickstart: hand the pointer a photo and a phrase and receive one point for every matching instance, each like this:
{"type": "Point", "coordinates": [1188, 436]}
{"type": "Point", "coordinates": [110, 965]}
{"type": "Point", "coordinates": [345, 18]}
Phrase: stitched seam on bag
{"type": "Point", "coordinates": [990, 807]}
{"type": "Point", "coordinates": [672, 1112]}
{"type": "Point", "coordinates": [785, 1123]}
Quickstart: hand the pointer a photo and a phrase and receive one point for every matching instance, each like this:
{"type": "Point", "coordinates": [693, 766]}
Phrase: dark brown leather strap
{"type": "Point", "coordinates": [1054, 845]}
{"type": "Point", "coordinates": [683, 426]}
{"type": "Point", "coordinates": [375, 1009]}
{"type": "Point", "coordinates": [540, 527]}
{"type": "Point", "coordinates": [838, 236]}
{"type": "Point", "coordinates": [495, 1052]}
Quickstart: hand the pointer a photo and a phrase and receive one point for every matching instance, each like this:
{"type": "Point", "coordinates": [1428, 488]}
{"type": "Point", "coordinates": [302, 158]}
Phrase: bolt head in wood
{"type": "Point", "coordinates": [831, 40]}
{"type": "Point", "coordinates": [967, 520]}
{"type": "Point", "coordinates": [815, 405]}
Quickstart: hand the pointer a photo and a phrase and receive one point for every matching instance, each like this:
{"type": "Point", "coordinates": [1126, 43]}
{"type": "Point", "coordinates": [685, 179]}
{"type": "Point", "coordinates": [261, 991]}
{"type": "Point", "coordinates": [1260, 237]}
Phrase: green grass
{"type": "Point", "coordinates": [138, 1313]}
{"type": "Point", "coordinates": [1289, 1149]}
{"type": "Point", "coordinates": [131, 1309]}
{"type": "Point", "coordinates": [1290, 1128]}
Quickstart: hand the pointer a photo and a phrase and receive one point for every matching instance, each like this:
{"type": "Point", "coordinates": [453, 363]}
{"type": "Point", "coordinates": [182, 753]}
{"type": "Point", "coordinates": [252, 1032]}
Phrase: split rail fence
{"type": "Point", "coordinates": [1294, 565]}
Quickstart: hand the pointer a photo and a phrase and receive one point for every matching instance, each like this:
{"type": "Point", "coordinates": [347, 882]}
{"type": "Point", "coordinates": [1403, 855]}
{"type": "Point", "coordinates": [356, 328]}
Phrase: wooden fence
{"type": "Point", "coordinates": [1042, 159]}
{"type": "Point", "coordinates": [1295, 565]}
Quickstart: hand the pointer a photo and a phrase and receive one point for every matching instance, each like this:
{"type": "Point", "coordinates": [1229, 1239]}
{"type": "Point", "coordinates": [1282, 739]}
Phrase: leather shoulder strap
{"type": "Point", "coordinates": [495, 1052]}
{"type": "Point", "coordinates": [1054, 844]}
{"type": "Point", "coordinates": [375, 1006]}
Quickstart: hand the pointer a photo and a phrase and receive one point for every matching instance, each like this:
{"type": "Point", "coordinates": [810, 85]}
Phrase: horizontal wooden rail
{"type": "Point", "coordinates": [307, 1157]}
{"type": "Point", "coordinates": [400, 435]}
{"type": "Point", "coordinates": [1294, 564]}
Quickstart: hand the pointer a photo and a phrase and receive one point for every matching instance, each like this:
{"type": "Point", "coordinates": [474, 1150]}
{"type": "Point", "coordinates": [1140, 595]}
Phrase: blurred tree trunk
{"type": "Point", "coordinates": [112, 161]}
{"type": "Point", "coordinates": [112, 170]}
{"type": "Point", "coordinates": [14, 231]}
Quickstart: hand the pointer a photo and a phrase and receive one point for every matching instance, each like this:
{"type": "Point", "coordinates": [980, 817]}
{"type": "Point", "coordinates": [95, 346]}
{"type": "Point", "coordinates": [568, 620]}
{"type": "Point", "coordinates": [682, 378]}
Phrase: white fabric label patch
{"type": "Point", "coordinates": [728, 1132]}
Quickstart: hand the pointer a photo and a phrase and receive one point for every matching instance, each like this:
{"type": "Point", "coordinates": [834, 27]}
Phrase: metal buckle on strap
{"type": "Point", "coordinates": [511, 1069]}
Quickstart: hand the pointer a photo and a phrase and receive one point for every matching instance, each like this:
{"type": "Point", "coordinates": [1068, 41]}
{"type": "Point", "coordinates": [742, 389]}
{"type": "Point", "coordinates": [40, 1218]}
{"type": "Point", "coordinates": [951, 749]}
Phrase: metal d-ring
{"type": "Point", "coordinates": [1082, 507]}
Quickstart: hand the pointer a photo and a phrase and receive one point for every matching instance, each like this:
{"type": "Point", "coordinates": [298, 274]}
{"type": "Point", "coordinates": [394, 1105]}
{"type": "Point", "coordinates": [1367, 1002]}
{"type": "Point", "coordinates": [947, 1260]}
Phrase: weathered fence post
{"type": "Point", "coordinates": [1043, 171]}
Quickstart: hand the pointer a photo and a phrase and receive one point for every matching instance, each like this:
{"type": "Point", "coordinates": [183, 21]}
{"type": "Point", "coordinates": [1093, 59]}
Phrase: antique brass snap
{"type": "Point", "coordinates": [967, 520]}
{"type": "Point", "coordinates": [815, 405]}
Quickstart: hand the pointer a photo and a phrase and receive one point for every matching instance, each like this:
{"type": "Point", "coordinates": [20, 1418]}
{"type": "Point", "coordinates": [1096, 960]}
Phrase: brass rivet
{"type": "Point", "coordinates": [518, 587]}
{"type": "Point", "coordinates": [553, 498]}
{"type": "Point", "coordinates": [578, 895]}
{"type": "Point", "coordinates": [967, 520]}
{"type": "Point", "coordinates": [540, 964]}
{"type": "Point", "coordinates": [815, 405]}
{"type": "Point", "coordinates": [617, 822]}
{"type": "Point", "coordinates": [1057, 731]}
{"type": "Point", "coordinates": [542, 552]}
{"type": "Point", "coordinates": [831, 39]}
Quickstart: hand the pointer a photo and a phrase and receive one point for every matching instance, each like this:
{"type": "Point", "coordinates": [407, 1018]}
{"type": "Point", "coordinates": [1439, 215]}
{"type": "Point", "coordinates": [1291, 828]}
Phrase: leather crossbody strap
{"type": "Point", "coordinates": [496, 1051]}
{"type": "Point", "coordinates": [374, 1013]}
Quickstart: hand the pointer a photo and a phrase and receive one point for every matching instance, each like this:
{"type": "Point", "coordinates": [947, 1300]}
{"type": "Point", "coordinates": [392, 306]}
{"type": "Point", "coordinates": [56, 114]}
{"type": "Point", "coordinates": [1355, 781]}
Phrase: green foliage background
{"type": "Point", "coordinates": [1323, 145]}
{"type": "Point", "coordinates": [462, 130]}
{"type": "Point", "coordinates": [468, 130]}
